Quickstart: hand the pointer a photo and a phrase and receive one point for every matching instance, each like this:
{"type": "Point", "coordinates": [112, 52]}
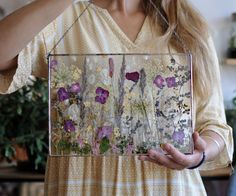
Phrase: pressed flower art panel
{"type": "Point", "coordinates": [119, 104]}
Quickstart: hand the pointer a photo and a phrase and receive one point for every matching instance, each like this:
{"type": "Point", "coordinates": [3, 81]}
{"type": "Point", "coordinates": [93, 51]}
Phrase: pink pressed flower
{"type": "Point", "coordinates": [105, 131]}
{"type": "Point", "coordinates": [80, 142]}
{"type": "Point", "coordinates": [129, 149]}
{"type": "Point", "coordinates": [178, 136]}
{"type": "Point", "coordinates": [159, 81]}
{"type": "Point", "coordinates": [171, 82]}
{"type": "Point", "coordinates": [95, 148]}
{"type": "Point", "coordinates": [111, 67]}
{"type": "Point", "coordinates": [75, 88]}
{"type": "Point", "coordinates": [53, 64]}
{"type": "Point", "coordinates": [133, 76]}
{"type": "Point", "coordinates": [115, 149]}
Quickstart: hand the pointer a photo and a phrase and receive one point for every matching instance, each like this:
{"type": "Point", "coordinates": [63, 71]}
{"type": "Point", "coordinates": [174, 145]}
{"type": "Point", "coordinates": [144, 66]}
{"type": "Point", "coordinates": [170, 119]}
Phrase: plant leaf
{"type": "Point", "coordinates": [104, 145]}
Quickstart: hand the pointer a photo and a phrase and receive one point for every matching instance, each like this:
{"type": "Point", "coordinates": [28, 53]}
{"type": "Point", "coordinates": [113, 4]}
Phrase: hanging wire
{"type": "Point", "coordinates": [151, 2]}
{"type": "Point", "coordinates": [168, 24]}
{"type": "Point", "coordinates": [63, 36]}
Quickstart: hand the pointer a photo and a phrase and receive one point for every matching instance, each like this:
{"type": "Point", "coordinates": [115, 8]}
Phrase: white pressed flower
{"type": "Point", "coordinates": [87, 104]}
{"type": "Point", "coordinates": [90, 129]}
{"type": "Point", "coordinates": [91, 79]}
{"type": "Point", "coordinates": [88, 60]}
{"type": "Point", "coordinates": [105, 76]}
{"type": "Point", "coordinates": [104, 72]}
{"type": "Point", "coordinates": [65, 75]}
{"type": "Point", "coordinates": [73, 112]}
{"type": "Point", "coordinates": [90, 66]}
{"type": "Point", "coordinates": [61, 76]}
{"type": "Point", "coordinates": [116, 132]}
{"type": "Point", "coordinates": [106, 81]}
{"type": "Point", "coordinates": [146, 57]}
{"type": "Point", "coordinates": [66, 102]}
{"type": "Point", "coordinates": [76, 72]}
{"type": "Point", "coordinates": [74, 58]}
{"type": "Point", "coordinates": [99, 69]}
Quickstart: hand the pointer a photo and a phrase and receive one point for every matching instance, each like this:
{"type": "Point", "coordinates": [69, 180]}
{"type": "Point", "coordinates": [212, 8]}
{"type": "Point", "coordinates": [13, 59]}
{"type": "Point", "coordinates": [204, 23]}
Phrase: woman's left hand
{"type": "Point", "coordinates": [175, 159]}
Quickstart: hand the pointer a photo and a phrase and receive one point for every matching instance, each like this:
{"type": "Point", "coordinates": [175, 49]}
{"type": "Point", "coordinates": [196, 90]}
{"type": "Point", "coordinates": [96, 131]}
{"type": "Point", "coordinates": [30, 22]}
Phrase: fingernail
{"type": "Point", "coordinates": [142, 158]}
{"type": "Point", "coordinates": [167, 147]}
{"type": "Point", "coordinates": [162, 146]}
{"type": "Point", "coordinates": [152, 157]}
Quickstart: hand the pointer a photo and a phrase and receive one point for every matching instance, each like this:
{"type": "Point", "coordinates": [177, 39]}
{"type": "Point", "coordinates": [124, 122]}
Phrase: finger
{"type": "Point", "coordinates": [146, 158]}
{"type": "Point", "coordinates": [142, 158]}
{"type": "Point", "coordinates": [164, 160]}
{"type": "Point", "coordinates": [177, 156]}
{"type": "Point", "coordinates": [199, 143]}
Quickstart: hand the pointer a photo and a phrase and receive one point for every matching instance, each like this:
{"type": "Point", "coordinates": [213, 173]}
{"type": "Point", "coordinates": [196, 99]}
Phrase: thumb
{"type": "Point", "coordinates": [199, 143]}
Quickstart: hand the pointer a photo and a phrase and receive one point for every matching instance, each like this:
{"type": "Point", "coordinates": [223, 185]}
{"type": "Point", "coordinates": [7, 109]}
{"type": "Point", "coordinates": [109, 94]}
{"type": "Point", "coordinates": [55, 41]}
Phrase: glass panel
{"type": "Point", "coordinates": [122, 104]}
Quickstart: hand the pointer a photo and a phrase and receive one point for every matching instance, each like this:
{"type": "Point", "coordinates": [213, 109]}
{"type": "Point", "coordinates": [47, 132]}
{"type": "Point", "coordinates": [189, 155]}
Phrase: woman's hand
{"type": "Point", "coordinates": [175, 159]}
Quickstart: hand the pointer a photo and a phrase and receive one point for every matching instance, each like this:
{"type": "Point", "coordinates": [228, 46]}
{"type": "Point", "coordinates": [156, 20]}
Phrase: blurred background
{"type": "Point", "coordinates": [23, 148]}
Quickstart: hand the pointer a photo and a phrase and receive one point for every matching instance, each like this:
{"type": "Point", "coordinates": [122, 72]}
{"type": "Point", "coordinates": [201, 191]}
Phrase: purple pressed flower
{"type": "Point", "coordinates": [69, 126]}
{"type": "Point", "coordinates": [53, 64]}
{"type": "Point", "coordinates": [75, 88]}
{"type": "Point", "coordinates": [105, 131]}
{"type": "Point", "coordinates": [178, 136]}
{"type": "Point", "coordinates": [102, 95]}
{"type": "Point", "coordinates": [111, 67]}
{"type": "Point", "coordinates": [133, 76]}
{"type": "Point", "coordinates": [159, 81]}
{"type": "Point", "coordinates": [62, 94]}
{"type": "Point", "coordinates": [171, 82]}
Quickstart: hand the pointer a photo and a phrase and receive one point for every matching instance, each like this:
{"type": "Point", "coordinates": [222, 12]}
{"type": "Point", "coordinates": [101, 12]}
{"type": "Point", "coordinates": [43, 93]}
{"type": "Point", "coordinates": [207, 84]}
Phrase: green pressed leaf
{"type": "Point", "coordinates": [104, 145]}
{"type": "Point", "coordinates": [64, 146]}
{"type": "Point", "coordinates": [86, 149]}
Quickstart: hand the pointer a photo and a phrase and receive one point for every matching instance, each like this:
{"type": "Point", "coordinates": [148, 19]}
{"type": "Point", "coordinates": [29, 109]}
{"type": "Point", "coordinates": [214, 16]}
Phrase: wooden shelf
{"type": "Point", "coordinates": [12, 174]}
{"type": "Point", "coordinates": [230, 61]}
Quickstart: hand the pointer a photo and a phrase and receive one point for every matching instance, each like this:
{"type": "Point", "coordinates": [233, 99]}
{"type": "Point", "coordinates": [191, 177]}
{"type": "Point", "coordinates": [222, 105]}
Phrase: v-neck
{"type": "Point", "coordinates": [118, 30]}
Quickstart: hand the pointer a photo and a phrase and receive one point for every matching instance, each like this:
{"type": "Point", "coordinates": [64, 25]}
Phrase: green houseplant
{"type": "Point", "coordinates": [23, 124]}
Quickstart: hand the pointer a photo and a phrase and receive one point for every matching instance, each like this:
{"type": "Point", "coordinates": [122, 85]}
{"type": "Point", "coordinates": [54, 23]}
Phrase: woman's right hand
{"type": "Point", "coordinates": [19, 28]}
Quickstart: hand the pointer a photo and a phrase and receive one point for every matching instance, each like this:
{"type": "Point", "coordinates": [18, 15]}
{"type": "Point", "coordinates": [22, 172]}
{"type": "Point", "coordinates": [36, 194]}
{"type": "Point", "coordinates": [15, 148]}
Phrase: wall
{"type": "Point", "coordinates": [11, 5]}
{"type": "Point", "coordinates": [218, 14]}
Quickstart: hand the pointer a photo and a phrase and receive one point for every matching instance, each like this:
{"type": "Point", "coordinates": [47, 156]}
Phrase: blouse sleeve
{"type": "Point", "coordinates": [32, 60]}
{"type": "Point", "coordinates": [211, 116]}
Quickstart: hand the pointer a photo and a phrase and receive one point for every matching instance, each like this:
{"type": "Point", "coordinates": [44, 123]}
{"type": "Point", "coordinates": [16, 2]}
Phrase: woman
{"type": "Point", "coordinates": [122, 26]}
